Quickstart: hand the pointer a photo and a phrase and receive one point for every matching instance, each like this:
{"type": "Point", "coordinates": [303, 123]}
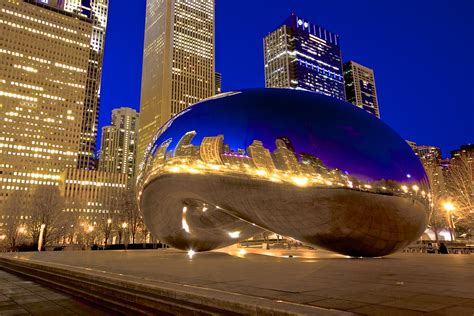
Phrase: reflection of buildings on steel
{"type": "Point", "coordinates": [284, 164]}
{"type": "Point", "coordinates": [260, 155]}
{"type": "Point", "coordinates": [211, 149]}
{"type": "Point", "coordinates": [184, 147]}
{"type": "Point", "coordinates": [239, 159]}
{"type": "Point", "coordinates": [160, 154]}
{"type": "Point", "coordinates": [285, 158]}
{"type": "Point", "coordinates": [288, 143]}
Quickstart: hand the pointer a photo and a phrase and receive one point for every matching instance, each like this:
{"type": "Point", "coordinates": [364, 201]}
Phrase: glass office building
{"type": "Point", "coordinates": [302, 55]}
{"type": "Point", "coordinates": [178, 62]}
{"type": "Point", "coordinates": [360, 87]}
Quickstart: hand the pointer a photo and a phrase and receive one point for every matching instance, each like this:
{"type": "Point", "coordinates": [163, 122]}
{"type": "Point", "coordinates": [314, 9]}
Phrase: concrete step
{"type": "Point", "coordinates": [128, 295]}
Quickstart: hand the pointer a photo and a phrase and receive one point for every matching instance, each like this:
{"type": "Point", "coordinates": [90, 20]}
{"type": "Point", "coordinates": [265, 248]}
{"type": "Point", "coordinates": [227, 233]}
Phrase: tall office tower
{"type": "Point", "coordinates": [44, 58]}
{"type": "Point", "coordinates": [119, 142]}
{"type": "Point", "coordinates": [97, 11]}
{"type": "Point", "coordinates": [178, 62]}
{"type": "Point", "coordinates": [302, 55]}
{"type": "Point", "coordinates": [360, 87]}
{"type": "Point", "coordinates": [218, 83]}
{"type": "Point", "coordinates": [466, 151]}
{"type": "Point", "coordinates": [429, 155]}
{"type": "Point", "coordinates": [260, 155]}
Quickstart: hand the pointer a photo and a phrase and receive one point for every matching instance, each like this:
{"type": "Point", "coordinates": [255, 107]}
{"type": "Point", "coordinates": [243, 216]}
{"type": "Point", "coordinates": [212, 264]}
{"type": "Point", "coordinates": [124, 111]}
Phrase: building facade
{"type": "Point", "coordinates": [360, 87]}
{"type": "Point", "coordinates": [44, 61]}
{"type": "Point", "coordinates": [119, 142]}
{"type": "Point", "coordinates": [218, 83]}
{"type": "Point", "coordinates": [303, 55]}
{"type": "Point", "coordinates": [466, 151]}
{"type": "Point", "coordinates": [91, 192]}
{"type": "Point", "coordinates": [429, 155]}
{"type": "Point", "coordinates": [97, 11]}
{"type": "Point", "coordinates": [178, 62]}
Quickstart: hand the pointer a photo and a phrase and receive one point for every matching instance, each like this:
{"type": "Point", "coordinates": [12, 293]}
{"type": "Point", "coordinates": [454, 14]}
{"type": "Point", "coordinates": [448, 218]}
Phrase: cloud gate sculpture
{"type": "Point", "coordinates": [296, 163]}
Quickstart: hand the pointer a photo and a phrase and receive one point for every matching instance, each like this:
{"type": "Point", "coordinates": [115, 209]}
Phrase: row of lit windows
{"type": "Point", "coordinates": [35, 31]}
{"type": "Point", "coordinates": [41, 21]}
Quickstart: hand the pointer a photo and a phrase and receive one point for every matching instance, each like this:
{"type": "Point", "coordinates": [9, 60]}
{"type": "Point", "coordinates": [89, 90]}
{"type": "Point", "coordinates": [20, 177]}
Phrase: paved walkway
{"type": "Point", "coordinates": [21, 297]}
{"type": "Point", "coordinates": [401, 284]}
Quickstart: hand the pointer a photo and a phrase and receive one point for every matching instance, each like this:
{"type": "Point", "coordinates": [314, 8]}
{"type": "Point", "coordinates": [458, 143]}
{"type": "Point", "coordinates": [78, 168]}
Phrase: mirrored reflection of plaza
{"type": "Point", "coordinates": [282, 165]}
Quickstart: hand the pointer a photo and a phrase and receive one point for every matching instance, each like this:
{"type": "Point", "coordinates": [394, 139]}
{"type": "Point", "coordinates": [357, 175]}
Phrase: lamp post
{"type": "Point", "coordinates": [107, 231]}
{"type": "Point", "coordinates": [40, 239]}
{"type": "Point", "coordinates": [125, 241]}
{"type": "Point", "coordinates": [450, 208]}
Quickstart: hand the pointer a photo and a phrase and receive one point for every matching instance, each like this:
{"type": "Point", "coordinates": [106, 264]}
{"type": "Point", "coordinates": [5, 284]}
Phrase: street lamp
{"type": "Point", "coordinates": [449, 207]}
{"type": "Point", "coordinates": [125, 241]}
{"type": "Point", "coordinates": [90, 229]}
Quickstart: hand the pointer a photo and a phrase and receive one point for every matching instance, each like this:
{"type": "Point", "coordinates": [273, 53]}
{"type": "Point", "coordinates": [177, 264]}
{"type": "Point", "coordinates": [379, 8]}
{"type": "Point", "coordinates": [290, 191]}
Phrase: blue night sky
{"type": "Point", "coordinates": [422, 53]}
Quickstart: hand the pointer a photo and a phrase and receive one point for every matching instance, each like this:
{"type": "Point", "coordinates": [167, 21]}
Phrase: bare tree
{"type": "Point", "coordinates": [460, 184]}
{"type": "Point", "coordinates": [438, 196]}
{"type": "Point", "coordinates": [46, 208]}
{"type": "Point", "coordinates": [13, 216]}
{"type": "Point", "coordinates": [106, 223]}
{"type": "Point", "coordinates": [131, 212]}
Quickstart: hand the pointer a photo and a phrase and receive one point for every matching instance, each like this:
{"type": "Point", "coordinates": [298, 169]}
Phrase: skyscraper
{"type": "Point", "coordinates": [44, 60]}
{"type": "Point", "coordinates": [119, 142]}
{"type": "Point", "coordinates": [178, 61]}
{"type": "Point", "coordinates": [429, 155]}
{"type": "Point", "coordinates": [218, 84]}
{"type": "Point", "coordinates": [97, 11]}
{"type": "Point", "coordinates": [303, 55]}
{"type": "Point", "coordinates": [360, 87]}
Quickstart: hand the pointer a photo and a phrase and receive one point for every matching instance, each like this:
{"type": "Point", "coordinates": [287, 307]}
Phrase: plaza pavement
{"type": "Point", "coordinates": [21, 297]}
{"type": "Point", "coordinates": [400, 284]}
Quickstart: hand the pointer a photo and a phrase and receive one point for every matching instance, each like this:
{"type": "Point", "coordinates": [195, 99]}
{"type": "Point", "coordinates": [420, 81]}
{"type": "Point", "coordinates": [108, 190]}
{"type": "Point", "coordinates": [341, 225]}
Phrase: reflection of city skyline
{"type": "Point", "coordinates": [283, 164]}
{"type": "Point", "coordinates": [214, 150]}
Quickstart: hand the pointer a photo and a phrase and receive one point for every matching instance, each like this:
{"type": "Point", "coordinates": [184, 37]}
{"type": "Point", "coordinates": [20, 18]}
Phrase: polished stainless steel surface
{"type": "Point", "coordinates": [296, 163]}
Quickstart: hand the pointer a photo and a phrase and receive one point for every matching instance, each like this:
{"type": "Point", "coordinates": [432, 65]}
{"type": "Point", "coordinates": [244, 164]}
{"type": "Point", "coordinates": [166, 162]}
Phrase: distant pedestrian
{"type": "Point", "coordinates": [443, 249]}
{"type": "Point", "coordinates": [430, 248]}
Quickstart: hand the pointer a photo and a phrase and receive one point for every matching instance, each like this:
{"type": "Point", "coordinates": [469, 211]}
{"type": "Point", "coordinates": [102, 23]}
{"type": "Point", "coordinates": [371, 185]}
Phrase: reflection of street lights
{"type": "Point", "coordinates": [90, 229]}
{"type": "Point", "coordinates": [2, 237]}
{"type": "Point", "coordinates": [22, 230]}
{"type": "Point", "coordinates": [450, 208]}
{"type": "Point", "coordinates": [124, 225]}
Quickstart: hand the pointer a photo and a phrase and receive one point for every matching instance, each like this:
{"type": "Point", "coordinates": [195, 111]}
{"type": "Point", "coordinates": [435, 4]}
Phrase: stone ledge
{"type": "Point", "coordinates": [128, 294]}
